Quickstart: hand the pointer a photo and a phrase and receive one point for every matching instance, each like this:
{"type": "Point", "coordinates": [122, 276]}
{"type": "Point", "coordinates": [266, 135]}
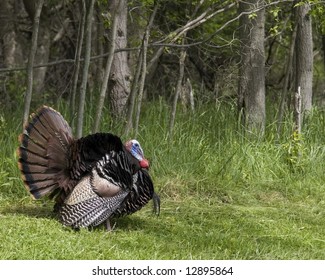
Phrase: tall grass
{"type": "Point", "coordinates": [224, 195]}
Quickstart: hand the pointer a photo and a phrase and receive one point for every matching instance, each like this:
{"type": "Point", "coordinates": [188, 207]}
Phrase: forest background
{"type": "Point", "coordinates": [226, 97]}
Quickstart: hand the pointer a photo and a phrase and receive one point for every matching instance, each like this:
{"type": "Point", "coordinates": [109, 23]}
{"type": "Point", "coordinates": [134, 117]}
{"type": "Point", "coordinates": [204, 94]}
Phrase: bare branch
{"type": "Point", "coordinates": [173, 36]}
{"type": "Point", "coordinates": [62, 30]}
{"type": "Point", "coordinates": [194, 23]}
{"type": "Point", "coordinates": [219, 29]}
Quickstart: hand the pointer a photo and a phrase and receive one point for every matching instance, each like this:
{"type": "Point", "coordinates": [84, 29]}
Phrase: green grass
{"type": "Point", "coordinates": [224, 196]}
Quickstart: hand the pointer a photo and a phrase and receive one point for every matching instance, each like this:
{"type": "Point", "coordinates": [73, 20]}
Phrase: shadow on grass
{"type": "Point", "coordinates": [134, 223]}
{"type": "Point", "coordinates": [126, 223]}
{"type": "Point", "coordinates": [34, 211]}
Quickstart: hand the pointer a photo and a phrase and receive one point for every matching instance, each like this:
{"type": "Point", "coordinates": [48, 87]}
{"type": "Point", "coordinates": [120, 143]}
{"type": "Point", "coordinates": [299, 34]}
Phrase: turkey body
{"type": "Point", "coordinates": [92, 179]}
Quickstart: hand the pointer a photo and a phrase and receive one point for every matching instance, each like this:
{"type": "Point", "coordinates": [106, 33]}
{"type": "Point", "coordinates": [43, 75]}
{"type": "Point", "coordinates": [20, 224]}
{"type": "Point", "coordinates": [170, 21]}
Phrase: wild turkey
{"type": "Point", "coordinates": [91, 179]}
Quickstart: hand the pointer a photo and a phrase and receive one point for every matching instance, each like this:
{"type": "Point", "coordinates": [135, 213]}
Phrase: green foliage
{"type": "Point", "coordinates": [224, 196]}
{"type": "Point", "coordinates": [252, 16]}
{"type": "Point", "coordinates": [295, 151]}
{"type": "Point", "coordinates": [275, 10]}
{"type": "Point", "coordinates": [274, 13]}
{"type": "Point", "coordinates": [318, 14]}
{"type": "Point", "coordinates": [13, 88]}
{"type": "Point", "coordinates": [2, 123]}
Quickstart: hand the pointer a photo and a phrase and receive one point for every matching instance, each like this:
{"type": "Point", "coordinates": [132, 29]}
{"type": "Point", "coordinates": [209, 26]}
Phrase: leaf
{"type": "Point", "coordinates": [252, 16]}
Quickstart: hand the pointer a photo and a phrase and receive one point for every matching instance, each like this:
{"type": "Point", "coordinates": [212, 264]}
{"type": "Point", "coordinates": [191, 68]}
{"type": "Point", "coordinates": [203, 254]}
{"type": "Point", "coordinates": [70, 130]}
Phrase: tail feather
{"type": "Point", "coordinates": [33, 146]}
{"type": "Point", "coordinates": [28, 156]}
{"type": "Point", "coordinates": [34, 170]}
{"type": "Point", "coordinates": [37, 130]}
{"type": "Point", "coordinates": [57, 154]}
{"type": "Point", "coordinates": [43, 184]}
{"type": "Point", "coordinates": [33, 134]}
{"type": "Point", "coordinates": [48, 121]}
{"type": "Point", "coordinates": [43, 152]}
{"type": "Point", "coordinates": [45, 190]}
{"type": "Point", "coordinates": [55, 121]}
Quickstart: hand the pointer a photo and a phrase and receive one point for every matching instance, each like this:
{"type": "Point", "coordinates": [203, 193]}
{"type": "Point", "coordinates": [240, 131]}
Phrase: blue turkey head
{"type": "Point", "coordinates": [133, 146]}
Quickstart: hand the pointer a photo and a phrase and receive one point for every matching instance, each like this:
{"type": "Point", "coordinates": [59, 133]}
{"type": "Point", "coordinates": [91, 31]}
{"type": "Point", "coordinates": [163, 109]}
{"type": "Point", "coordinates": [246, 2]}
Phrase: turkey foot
{"type": "Point", "coordinates": [108, 225]}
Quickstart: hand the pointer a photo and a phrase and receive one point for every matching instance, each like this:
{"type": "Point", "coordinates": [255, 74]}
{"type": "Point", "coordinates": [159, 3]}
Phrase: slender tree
{"type": "Point", "coordinates": [251, 91]}
{"type": "Point", "coordinates": [133, 94]}
{"type": "Point", "coordinates": [323, 48]}
{"type": "Point", "coordinates": [137, 83]}
{"type": "Point", "coordinates": [107, 69]}
{"type": "Point", "coordinates": [287, 74]}
{"type": "Point", "coordinates": [44, 43]}
{"type": "Point", "coordinates": [304, 55]}
{"type": "Point", "coordinates": [76, 71]}
{"type": "Point", "coordinates": [177, 91]}
{"type": "Point", "coordinates": [119, 81]}
{"type": "Point", "coordinates": [12, 46]}
{"type": "Point", "coordinates": [144, 66]}
{"type": "Point", "coordinates": [83, 87]}
{"type": "Point", "coordinates": [33, 48]}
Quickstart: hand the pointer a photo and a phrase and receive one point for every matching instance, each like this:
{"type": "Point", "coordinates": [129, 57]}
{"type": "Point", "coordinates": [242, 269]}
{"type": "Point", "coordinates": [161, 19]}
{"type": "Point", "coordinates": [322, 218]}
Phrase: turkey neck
{"type": "Point", "coordinates": [135, 164]}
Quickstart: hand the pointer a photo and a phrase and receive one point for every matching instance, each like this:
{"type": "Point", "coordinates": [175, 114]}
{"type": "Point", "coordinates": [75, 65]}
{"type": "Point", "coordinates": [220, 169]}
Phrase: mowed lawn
{"type": "Point", "coordinates": [186, 229]}
{"type": "Point", "coordinates": [222, 197]}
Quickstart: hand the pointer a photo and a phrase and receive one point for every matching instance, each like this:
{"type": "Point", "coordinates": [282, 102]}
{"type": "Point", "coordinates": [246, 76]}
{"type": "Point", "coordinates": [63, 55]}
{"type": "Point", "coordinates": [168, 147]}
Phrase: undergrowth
{"type": "Point", "coordinates": [224, 195]}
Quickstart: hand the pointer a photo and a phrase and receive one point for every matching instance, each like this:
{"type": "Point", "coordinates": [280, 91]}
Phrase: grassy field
{"type": "Point", "coordinates": [224, 196]}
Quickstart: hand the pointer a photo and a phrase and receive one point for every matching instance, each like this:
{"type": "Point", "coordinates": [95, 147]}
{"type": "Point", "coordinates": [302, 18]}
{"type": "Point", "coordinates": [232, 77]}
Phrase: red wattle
{"type": "Point", "coordinates": [144, 163]}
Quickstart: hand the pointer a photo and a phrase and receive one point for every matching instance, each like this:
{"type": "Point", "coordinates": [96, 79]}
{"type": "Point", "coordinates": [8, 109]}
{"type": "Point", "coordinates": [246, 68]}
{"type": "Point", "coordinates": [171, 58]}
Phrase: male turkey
{"type": "Point", "coordinates": [91, 179]}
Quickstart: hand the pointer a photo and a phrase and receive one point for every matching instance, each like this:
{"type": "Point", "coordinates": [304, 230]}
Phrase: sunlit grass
{"type": "Point", "coordinates": [223, 196]}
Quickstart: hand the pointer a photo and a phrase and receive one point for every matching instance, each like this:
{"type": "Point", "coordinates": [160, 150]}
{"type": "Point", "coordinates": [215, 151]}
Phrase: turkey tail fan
{"type": "Point", "coordinates": [43, 152]}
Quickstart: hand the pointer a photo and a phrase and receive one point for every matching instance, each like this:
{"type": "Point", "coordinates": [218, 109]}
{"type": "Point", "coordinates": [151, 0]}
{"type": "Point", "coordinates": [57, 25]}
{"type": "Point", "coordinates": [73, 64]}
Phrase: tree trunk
{"type": "Point", "coordinates": [177, 92]}
{"type": "Point", "coordinates": [11, 45]}
{"type": "Point", "coordinates": [43, 48]}
{"type": "Point", "coordinates": [132, 96]}
{"type": "Point", "coordinates": [287, 74]}
{"type": "Point", "coordinates": [28, 95]}
{"type": "Point", "coordinates": [304, 56]}
{"type": "Point", "coordinates": [144, 67]}
{"type": "Point", "coordinates": [83, 87]}
{"type": "Point", "coordinates": [297, 111]}
{"type": "Point", "coordinates": [100, 42]}
{"type": "Point", "coordinates": [12, 51]}
{"type": "Point", "coordinates": [251, 91]}
{"type": "Point", "coordinates": [323, 48]}
{"type": "Point", "coordinates": [119, 82]}
{"type": "Point", "coordinates": [107, 71]}
{"type": "Point", "coordinates": [76, 71]}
